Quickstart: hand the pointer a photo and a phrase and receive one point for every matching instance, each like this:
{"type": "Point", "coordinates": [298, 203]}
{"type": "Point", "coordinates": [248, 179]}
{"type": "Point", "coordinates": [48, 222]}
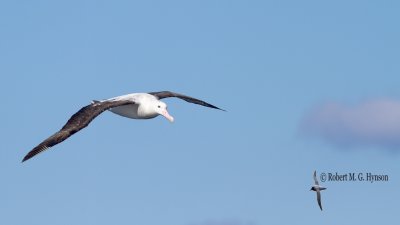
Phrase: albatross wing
{"type": "Point", "coordinates": [168, 94]}
{"type": "Point", "coordinates": [77, 122]}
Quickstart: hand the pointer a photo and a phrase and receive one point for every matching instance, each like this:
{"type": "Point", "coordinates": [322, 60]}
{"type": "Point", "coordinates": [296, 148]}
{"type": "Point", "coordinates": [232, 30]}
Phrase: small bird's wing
{"type": "Point", "coordinates": [168, 94]}
{"type": "Point", "coordinates": [319, 199]}
{"type": "Point", "coordinates": [315, 178]}
{"type": "Point", "coordinates": [77, 122]}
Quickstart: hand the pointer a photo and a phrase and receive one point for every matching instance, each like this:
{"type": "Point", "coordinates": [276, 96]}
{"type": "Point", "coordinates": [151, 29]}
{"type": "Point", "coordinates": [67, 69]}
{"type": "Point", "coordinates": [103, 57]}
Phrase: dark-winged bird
{"type": "Point", "coordinates": [317, 188]}
{"type": "Point", "coordinates": [134, 106]}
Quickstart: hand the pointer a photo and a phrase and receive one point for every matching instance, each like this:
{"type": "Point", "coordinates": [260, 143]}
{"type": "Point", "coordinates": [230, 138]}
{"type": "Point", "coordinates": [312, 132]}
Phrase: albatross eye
{"type": "Point", "coordinates": [159, 106]}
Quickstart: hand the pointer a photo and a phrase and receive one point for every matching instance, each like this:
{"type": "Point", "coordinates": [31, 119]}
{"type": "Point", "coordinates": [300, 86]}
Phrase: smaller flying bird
{"type": "Point", "coordinates": [134, 106]}
{"type": "Point", "coordinates": [317, 188]}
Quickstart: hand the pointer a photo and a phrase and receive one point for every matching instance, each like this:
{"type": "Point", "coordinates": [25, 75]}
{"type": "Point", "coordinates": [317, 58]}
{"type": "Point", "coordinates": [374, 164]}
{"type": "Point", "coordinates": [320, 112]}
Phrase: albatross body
{"type": "Point", "coordinates": [143, 109]}
{"type": "Point", "coordinates": [134, 106]}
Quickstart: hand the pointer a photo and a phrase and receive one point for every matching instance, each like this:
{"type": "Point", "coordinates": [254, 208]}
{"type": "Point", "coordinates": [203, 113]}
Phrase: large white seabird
{"type": "Point", "coordinates": [134, 106]}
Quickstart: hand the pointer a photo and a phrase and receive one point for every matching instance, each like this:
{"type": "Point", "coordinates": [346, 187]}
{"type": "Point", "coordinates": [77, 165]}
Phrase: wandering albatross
{"type": "Point", "coordinates": [134, 106]}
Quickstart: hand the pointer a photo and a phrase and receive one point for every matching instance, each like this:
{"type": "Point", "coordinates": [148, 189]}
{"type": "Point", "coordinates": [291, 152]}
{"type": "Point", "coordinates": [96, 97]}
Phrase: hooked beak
{"type": "Point", "coordinates": [166, 115]}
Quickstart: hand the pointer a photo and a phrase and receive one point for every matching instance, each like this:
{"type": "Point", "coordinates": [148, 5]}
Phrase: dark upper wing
{"type": "Point", "coordinates": [315, 178]}
{"type": "Point", "coordinates": [77, 122]}
{"type": "Point", "coordinates": [168, 94]}
{"type": "Point", "coordinates": [319, 199]}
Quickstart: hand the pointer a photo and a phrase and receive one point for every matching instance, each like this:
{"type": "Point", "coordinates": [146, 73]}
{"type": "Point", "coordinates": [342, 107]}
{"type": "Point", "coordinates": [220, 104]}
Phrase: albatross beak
{"type": "Point", "coordinates": [166, 115]}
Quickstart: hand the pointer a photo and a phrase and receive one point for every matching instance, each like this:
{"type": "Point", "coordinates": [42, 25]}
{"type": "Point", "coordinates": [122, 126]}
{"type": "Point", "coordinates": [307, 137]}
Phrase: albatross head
{"type": "Point", "coordinates": [161, 108]}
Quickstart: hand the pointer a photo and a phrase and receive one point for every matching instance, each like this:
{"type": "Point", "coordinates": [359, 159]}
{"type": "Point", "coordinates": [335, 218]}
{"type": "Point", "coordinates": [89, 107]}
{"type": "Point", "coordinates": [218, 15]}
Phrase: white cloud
{"type": "Point", "coordinates": [371, 123]}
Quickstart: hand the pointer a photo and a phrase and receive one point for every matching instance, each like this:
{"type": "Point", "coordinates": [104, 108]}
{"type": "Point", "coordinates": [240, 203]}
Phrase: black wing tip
{"type": "Point", "coordinates": [215, 107]}
{"type": "Point", "coordinates": [39, 149]}
{"type": "Point", "coordinates": [26, 158]}
{"type": "Point", "coordinates": [212, 106]}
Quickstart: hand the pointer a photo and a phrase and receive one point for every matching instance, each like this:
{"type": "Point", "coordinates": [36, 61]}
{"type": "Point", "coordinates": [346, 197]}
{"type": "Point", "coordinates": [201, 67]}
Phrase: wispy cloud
{"type": "Point", "coordinates": [370, 123]}
{"type": "Point", "coordinates": [225, 222]}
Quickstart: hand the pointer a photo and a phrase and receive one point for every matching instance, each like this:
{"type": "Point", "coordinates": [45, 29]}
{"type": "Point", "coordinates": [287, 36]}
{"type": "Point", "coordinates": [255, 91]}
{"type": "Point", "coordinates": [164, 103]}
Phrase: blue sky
{"type": "Point", "coordinates": [271, 64]}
